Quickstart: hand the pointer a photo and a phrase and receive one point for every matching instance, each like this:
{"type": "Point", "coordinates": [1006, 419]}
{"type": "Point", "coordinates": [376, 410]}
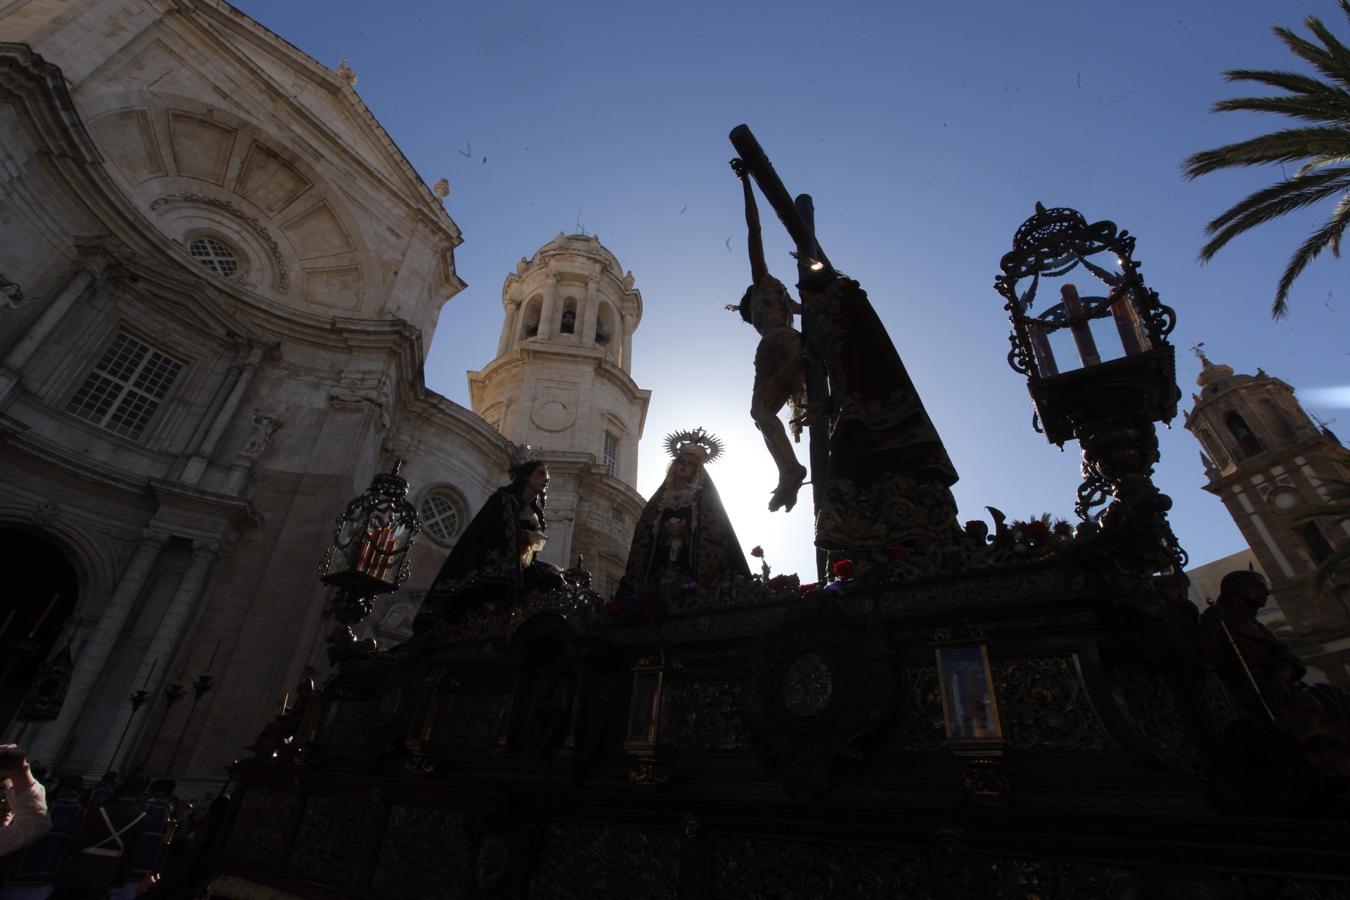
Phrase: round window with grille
{"type": "Point", "coordinates": [440, 518]}
{"type": "Point", "coordinates": [214, 254]}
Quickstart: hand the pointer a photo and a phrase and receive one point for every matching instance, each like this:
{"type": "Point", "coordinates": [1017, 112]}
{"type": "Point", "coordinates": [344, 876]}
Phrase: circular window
{"type": "Point", "coordinates": [439, 518]}
{"type": "Point", "coordinates": [215, 255]}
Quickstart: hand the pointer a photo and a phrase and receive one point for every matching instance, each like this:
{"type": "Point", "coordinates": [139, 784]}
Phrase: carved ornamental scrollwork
{"type": "Point", "coordinates": [1153, 710]}
{"type": "Point", "coordinates": [503, 850]}
{"type": "Point", "coordinates": [1044, 705]}
{"type": "Point", "coordinates": [424, 850]}
{"type": "Point", "coordinates": [818, 688]}
{"type": "Point", "coordinates": [599, 862]}
{"type": "Point", "coordinates": [705, 715]}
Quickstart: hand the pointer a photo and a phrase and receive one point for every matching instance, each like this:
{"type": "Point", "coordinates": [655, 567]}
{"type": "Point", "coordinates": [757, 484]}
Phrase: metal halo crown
{"type": "Point", "coordinates": [706, 444]}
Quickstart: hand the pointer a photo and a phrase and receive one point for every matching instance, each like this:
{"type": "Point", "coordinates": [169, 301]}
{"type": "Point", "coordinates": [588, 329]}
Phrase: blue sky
{"type": "Point", "coordinates": [925, 131]}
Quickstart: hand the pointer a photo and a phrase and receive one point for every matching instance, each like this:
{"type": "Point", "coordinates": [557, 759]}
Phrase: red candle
{"type": "Point", "coordinates": [1078, 326]}
{"type": "Point", "coordinates": [42, 618]}
{"type": "Point", "coordinates": [1040, 348]}
{"type": "Point", "coordinates": [1132, 336]}
{"type": "Point", "coordinates": [5, 627]}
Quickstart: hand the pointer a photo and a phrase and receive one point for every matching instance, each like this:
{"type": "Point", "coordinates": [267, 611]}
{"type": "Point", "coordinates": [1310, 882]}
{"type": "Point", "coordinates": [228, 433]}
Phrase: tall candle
{"type": "Point", "coordinates": [1040, 348]}
{"type": "Point", "coordinates": [1078, 326]}
{"type": "Point", "coordinates": [151, 672]}
{"type": "Point", "coordinates": [5, 627]}
{"type": "Point", "coordinates": [42, 618]}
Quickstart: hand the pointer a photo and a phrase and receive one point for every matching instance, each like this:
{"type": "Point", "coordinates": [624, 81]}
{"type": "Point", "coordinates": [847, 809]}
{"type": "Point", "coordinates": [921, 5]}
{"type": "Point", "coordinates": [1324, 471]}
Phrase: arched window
{"type": "Point", "coordinates": [441, 517]}
{"type": "Point", "coordinates": [568, 324]}
{"type": "Point", "coordinates": [605, 326]}
{"type": "Point", "coordinates": [529, 317]}
{"type": "Point", "coordinates": [214, 254]}
{"type": "Point", "coordinates": [1247, 440]}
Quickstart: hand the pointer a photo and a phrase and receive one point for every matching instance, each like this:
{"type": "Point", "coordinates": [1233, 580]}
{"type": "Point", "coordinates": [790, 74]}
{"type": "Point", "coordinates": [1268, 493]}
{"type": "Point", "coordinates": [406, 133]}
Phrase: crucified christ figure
{"type": "Point", "coordinates": [778, 359]}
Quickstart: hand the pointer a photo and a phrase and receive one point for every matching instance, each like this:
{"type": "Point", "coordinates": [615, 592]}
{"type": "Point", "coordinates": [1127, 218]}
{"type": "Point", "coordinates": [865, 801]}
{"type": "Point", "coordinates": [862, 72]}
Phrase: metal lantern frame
{"type": "Point", "coordinates": [369, 554]}
{"type": "Point", "coordinates": [648, 712]}
{"type": "Point", "coordinates": [1052, 243]}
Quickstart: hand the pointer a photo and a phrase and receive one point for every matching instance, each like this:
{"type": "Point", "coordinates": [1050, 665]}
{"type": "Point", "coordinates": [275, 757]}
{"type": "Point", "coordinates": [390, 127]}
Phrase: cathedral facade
{"type": "Point", "coordinates": [220, 278]}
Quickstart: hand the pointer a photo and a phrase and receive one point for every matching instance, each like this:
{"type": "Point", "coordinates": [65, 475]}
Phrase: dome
{"type": "Point", "coordinates": [1214, 378]}
{"type": "Point", "coordinates": [582, 245]}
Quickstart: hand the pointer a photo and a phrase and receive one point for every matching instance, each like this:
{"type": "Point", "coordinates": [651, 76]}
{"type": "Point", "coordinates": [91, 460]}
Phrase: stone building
{"type": "Point", "coordinates": [220, 277]}
{"type": "Point", "coordinates": [1267, 460]}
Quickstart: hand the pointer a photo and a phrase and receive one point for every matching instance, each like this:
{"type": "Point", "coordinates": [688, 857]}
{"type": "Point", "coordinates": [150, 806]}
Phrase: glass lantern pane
{"type": "Point", "coordinates": [640, 709]}
{"type": "Point", "coordinates": [968, 693]}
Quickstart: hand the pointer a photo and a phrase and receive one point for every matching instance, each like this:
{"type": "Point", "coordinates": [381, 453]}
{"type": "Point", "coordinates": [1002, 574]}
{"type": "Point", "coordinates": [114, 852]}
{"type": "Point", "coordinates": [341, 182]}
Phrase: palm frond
{"type": "Point", "coordinates": [1320, 162]}
{"type": "Point", "coordinates": [1329, 110]}
{"type": "Point", "coordinates": [1322, 149]}
{"type": "Point", "coordinates": [1290, 145]}
{"type": "Point", "coordinates": [1293, 82]}
{"type": "Point", "coordinates": [1319, 240]}
{"type": "Point", "coordinates": [1272, 202]}
{"type": "Point", "coordinates": [1338, 53]}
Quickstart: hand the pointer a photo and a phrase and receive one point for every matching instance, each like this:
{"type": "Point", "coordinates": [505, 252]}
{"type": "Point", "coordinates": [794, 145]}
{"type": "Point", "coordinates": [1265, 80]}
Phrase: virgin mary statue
{"type": "Point", "coordinates": [684, 528]}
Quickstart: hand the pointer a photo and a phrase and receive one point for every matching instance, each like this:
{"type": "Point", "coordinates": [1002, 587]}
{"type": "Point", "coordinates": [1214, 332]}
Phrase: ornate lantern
{"type": "Point", "coordinates": [647, 714]}
{"type": "Point", "coordinates": [369, 555]}
{"type": "Point", "coordinates": [1109, 405]}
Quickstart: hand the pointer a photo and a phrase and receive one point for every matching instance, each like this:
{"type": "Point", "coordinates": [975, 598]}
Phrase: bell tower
{"type": "Point", "coordinates": [1267, 460]}
{"type": "Point", "coordinates": [561, 383]}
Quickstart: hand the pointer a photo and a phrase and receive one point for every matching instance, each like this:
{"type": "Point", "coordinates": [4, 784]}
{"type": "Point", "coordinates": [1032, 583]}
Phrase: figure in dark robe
{"type": "Point", "coordinates": [684, 529]}
{"type": "Point", "coordinates": [1267, 679]}
{"type": "Point", "coordinates": [495, 559]}
{"type": "Point", "coordinates": [889, 479]}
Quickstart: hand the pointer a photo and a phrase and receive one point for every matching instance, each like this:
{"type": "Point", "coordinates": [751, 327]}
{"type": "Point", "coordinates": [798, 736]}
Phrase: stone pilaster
{"type": "Point", "coordinates": [167, 638]}
{"type": "Point", "coordinates": [94, 653]}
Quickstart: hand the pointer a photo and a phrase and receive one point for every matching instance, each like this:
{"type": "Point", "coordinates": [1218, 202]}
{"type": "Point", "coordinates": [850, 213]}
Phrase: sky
{"type": "Point", "coordinates": [925, 131]}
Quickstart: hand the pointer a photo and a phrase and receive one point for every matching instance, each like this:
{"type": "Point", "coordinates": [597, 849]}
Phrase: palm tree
{"type": "Point", "coordinates": [1323, 147]}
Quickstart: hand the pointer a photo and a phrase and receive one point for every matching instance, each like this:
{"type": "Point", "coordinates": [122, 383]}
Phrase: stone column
{"type": "Point", "coordinates": [626, 354]}
{"type": "Point", "coordinates": [549, 310]}
{"type": "Point", "coordinates": [509, 325]}
{"type": "Point", "coordinates": [93, 655]}
{"type": "Point", "coordinates": [39, 332]}
{"type": "Point", "coordinates": [162, 646]}
{"type": "Point", "coordinates": [592, 311]}
{"type": "Point", "coordinates": [192, 472]}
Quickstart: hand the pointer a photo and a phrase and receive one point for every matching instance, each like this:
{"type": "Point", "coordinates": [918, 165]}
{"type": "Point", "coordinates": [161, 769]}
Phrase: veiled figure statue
{"type": "Point", "coordinates": [684, 528]}
{"type": "Point", "coordinates": [495, 559]}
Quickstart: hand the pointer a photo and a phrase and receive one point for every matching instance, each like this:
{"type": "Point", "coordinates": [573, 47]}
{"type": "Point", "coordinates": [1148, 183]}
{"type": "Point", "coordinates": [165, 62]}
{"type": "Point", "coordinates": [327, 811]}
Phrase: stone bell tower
{"type": "Point", "coordinates": [1267, 460]}
{"type": "Point", "coordinates": [560, 382]}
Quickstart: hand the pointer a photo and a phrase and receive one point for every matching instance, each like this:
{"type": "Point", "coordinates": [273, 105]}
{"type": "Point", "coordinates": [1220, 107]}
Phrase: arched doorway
{"type": "Point", "coordinates": [40, 594]}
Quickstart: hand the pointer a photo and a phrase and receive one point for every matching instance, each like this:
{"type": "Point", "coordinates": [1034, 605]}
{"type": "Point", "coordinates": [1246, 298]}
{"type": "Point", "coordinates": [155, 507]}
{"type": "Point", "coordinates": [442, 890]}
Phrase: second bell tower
{"type": "Point", "coordinates": [561, 383]}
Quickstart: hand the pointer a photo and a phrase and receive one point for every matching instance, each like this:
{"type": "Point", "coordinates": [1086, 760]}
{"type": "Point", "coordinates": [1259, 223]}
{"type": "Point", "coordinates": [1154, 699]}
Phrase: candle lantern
{"type": "Point", "coordinates": [645, 738]}
{"type": "Point", "coordinates": [970, 715]}
{"type": "Point", "coordinates": [1110, 406]}
{"type": "Point", "coordinates": [369, 554]}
